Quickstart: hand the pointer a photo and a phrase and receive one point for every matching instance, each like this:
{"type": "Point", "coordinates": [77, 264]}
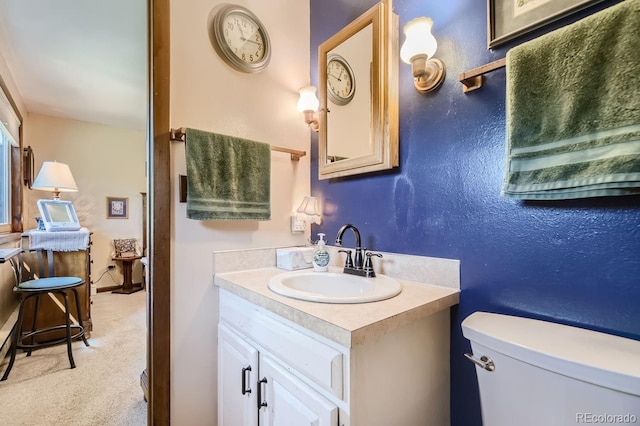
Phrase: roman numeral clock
{"type": "Point", "coordinates": [240, 39]}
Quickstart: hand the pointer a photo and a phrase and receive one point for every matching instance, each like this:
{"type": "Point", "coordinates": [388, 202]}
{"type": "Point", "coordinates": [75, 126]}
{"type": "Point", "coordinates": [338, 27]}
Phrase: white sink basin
{"type": "Point", "coordinates": [333, 287]}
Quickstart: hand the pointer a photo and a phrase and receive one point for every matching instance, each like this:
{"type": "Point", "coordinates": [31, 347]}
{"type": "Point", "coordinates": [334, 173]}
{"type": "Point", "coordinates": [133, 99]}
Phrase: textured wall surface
{"type": "Point", "coordinates": [573, 262]}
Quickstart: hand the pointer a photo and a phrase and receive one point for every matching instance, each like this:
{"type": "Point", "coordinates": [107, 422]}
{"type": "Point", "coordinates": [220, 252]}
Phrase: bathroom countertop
{"type": "Point", "coordinates": [346, 324]}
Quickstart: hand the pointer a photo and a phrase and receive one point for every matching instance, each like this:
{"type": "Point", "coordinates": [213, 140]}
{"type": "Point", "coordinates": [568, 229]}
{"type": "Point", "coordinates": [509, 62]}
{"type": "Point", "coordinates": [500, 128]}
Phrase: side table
{"type": "Point", "coordinates": [127, 275]}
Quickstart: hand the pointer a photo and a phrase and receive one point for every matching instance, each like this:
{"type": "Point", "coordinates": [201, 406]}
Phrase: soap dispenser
{"type": "Point", "coordinates": [321, 255]}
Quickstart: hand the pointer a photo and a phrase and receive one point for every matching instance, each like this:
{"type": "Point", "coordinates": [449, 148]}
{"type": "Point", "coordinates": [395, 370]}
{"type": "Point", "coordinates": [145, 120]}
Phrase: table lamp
{"type": "Point", "coordinates": [55, 177]}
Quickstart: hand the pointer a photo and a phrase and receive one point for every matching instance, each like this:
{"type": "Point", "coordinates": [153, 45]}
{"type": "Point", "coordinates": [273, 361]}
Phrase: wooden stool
{"type": "Point", "coordinates": [36, 288]}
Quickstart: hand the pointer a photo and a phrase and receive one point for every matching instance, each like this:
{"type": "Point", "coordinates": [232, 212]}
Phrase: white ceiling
{"type": "Point", "coordinates": [79, 59]}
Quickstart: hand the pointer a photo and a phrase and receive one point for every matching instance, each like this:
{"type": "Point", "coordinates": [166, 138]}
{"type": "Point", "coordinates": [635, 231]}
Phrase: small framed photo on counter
{"type": "Point", "coordinates": [117, 208]}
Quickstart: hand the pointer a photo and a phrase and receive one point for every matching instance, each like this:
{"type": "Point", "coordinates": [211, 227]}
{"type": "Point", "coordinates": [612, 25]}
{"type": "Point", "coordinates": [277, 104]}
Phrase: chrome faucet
{"type": "Point", "coordinates": [356, 266]}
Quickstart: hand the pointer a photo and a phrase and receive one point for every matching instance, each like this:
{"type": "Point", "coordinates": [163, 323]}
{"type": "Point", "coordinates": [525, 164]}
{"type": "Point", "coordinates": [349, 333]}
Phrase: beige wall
{"type": "Point", "coordinates": [105, 161]}
{"type": "Point", "coordinates": [207, 94]}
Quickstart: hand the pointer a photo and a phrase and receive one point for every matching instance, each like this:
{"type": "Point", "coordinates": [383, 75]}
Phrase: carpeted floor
{"type": "Point", "coordinates": [103, 389]}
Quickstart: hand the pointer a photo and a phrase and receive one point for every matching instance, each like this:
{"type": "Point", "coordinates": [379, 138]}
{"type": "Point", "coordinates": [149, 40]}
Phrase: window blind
{"type": "Point", "coordinates": [9, 121]}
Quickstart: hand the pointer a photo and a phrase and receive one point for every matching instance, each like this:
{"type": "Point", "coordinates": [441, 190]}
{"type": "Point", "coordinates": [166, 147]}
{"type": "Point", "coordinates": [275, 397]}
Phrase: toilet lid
{"type": "Point", "coordinates": [591, 356]}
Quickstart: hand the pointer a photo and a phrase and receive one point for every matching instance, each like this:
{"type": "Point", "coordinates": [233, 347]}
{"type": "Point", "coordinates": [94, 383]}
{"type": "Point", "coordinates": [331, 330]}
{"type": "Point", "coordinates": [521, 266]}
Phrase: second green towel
{"type": "Point", "coordinates": [573, 109]}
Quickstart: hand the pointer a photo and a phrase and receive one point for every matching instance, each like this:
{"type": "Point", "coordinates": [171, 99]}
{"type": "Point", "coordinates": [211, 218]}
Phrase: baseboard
{"type": "Point", "coordinates": [109, 288]}
{"type": "Point", "coordinates": [115, 287]}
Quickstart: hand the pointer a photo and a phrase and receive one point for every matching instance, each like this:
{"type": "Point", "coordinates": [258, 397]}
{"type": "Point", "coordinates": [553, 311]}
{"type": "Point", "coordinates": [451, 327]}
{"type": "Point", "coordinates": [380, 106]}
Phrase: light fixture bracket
{"type": "Point", "coordinates": [310, 117]}
{"type": "Point", "coordinates": [428, 75]}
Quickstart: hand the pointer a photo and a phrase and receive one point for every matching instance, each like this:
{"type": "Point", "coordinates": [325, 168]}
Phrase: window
{"type": "Point", "coordinates": [5, 189]}
{"type": "Point", "coordinates": [10, 167]}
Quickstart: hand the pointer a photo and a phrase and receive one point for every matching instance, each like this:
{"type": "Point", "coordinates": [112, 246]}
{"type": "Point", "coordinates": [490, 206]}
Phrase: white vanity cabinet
{"type": "Point", "coordinates": [286, 400]}
{"type": "Point", "coordinates": [257, 383]}
{"type": "Point", "coordinates": [238, 372]}
{"type": "Point", "coordinates": [273, 371]}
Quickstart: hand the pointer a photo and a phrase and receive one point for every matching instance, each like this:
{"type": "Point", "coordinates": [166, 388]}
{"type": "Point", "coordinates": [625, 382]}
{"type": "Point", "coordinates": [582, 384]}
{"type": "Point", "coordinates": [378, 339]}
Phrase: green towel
{"type": "Point", "coordinates": [573, 109]}
{"type": "Point", "coordinates": [228, 178]}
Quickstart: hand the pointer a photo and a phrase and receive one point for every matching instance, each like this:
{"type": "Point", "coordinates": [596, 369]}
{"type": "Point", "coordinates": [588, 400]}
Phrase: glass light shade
{"type": "Point", "coordinates": [310, 206]}
{"type": "Point", "coordinates": [308, 100]}
{"type": "Point", "coordinates": [55, 177]}
{"type": "Point", "coordinates": [419, 40]}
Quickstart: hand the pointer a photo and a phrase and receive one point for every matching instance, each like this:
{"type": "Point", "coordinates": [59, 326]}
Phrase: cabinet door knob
{"type": "Point", "coordinates": [245, 380]}
{"type": "Point", "coordinates": [261, 403]}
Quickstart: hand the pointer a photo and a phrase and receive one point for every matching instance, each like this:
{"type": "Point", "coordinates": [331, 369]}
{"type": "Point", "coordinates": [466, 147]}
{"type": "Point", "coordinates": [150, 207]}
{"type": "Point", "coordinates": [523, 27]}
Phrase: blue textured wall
{"type": "Point", "coordinates": [573, 262]}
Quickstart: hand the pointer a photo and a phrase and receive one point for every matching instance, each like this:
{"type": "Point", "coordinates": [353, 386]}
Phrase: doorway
{"type": "Point", "coordinates": [159, 199]}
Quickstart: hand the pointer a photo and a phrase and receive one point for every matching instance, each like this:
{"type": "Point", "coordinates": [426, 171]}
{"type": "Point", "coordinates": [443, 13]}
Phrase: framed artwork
{"type": "Point", "coordinates": [509, 19]}
{"type": "Point", "coordinates": [117, 208]}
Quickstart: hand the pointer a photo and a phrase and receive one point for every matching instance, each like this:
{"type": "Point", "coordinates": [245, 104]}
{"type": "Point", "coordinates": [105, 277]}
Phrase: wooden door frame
{"type": "Point", "coordinates": [159, 202]}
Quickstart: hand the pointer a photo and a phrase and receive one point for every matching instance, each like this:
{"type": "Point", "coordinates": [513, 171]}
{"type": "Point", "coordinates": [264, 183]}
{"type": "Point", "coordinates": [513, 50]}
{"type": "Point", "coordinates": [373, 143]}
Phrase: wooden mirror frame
{"type": "Point", "coordinates": [384, 95]}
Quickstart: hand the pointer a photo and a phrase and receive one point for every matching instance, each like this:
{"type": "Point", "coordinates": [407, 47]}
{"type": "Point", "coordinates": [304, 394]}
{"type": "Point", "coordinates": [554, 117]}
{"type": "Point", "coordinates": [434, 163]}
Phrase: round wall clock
{"type": "Point", "coordinates": [240, 39]}
{"type": "Point", "coordinates": [341, 82]}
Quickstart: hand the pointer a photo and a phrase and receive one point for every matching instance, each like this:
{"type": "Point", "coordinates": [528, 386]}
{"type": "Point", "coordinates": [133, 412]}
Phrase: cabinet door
{"type": "Point", "coordinates": [286, 401]}
{"type": "Point", "coordinates": [237, 378]}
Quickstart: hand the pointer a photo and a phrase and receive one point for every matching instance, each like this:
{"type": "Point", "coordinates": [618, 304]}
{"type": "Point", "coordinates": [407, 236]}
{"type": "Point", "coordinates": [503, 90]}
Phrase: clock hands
{"type": "Point", "coordinates": [250, 41]}
{"type": "Point", "coordinates": [337, 77]}
{"type": "Point", "coordinates": [244, 38]}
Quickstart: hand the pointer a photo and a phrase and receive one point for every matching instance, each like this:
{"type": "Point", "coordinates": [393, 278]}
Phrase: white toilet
{"type": "Point", "coordinates": [536, 373]}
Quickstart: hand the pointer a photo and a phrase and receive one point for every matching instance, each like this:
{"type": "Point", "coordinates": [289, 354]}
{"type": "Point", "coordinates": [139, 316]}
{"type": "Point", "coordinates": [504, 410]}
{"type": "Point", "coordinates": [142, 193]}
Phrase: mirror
{"type": "Point", "coordinates": [358, 72]}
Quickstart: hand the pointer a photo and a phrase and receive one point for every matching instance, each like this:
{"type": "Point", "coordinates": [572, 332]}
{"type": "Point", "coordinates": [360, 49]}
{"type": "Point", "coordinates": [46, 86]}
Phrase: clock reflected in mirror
{"type": "Point", "coordinates": [341, 82]}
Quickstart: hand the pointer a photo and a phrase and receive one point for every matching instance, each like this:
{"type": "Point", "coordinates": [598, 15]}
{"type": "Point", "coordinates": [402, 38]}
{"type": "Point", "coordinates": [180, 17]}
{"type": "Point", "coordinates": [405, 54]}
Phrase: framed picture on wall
{"type": "Point", "coordinates": [117, 208]}
{"type": "Point", "coordinates": [509, 19]}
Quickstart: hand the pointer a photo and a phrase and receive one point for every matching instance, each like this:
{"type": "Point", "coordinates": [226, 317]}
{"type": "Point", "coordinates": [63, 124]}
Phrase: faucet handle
{"type": "Point", "coordinates": [349, 262]}
{"type": "Point", "coordinates": [368, 265]}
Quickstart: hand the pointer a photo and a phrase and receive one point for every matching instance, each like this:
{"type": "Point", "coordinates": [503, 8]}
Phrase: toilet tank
{"type": "Point", "coordinates": [547, 374]}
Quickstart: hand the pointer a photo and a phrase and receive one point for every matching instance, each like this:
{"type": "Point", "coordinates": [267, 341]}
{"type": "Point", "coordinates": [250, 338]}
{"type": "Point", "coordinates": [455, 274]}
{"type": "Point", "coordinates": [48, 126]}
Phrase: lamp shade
{"type": "Point", "coordinates": [419, 41]}
{"type": "Point", "coordinates": [55, 177]}
{"type": "Point", "coordinates": [308, 100]}
{"type": "Point", "coordinates": [310, 206]}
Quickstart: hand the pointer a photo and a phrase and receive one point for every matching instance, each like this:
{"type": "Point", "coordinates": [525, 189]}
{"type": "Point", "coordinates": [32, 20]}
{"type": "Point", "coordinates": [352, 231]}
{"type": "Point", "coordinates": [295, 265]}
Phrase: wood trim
{"type": "Point", "coordinates": [108, 288]}
{"type": "Point", "coordinates": [159, 201]}
{"type": "Point", "coordinates": [383, 154]}
{"type": "Point", "coordinates": [16, 187]}
{"type": "Point", "coordinates": [16, 168]}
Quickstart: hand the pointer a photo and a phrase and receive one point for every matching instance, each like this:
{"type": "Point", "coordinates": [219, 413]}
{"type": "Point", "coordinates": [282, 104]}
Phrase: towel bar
{"type": "Point", "coordinates": [179, 135]}
{"type": "Point", "coordinates": [472, 79]}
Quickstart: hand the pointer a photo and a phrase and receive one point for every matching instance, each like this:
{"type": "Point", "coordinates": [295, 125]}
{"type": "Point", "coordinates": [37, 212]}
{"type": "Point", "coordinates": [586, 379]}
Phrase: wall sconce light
{"type": "Point", "coordinates": [308, 104]}
{"type": "Point", "coordinates": [309, 211]}
{"type": "Point", "coordinates": [418, 50]}
{"type": "Point", "coordinates": [55, 177]}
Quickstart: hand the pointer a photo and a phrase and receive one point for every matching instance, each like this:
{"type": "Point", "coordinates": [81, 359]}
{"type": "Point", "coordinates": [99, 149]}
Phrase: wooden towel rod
{"type": "Point", "coordinates": [179, 136]}
{"type": "Point", "coordinates": [472, 79]}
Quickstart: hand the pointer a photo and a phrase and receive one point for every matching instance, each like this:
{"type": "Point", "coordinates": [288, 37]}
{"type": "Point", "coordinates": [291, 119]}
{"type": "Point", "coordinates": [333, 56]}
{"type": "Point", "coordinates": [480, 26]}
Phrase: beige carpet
{"type": "Point", "coordinates": [103, 389]}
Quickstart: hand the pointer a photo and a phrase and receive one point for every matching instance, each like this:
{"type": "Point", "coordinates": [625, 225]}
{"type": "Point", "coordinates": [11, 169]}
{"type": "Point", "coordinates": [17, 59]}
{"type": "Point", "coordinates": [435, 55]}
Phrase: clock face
{"type": "Point", "coordinates": [341, 84]}
{"type": "Point", "coordinates": [240, 39]}
{"type": "Point", "coordinates": [244, 38]}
